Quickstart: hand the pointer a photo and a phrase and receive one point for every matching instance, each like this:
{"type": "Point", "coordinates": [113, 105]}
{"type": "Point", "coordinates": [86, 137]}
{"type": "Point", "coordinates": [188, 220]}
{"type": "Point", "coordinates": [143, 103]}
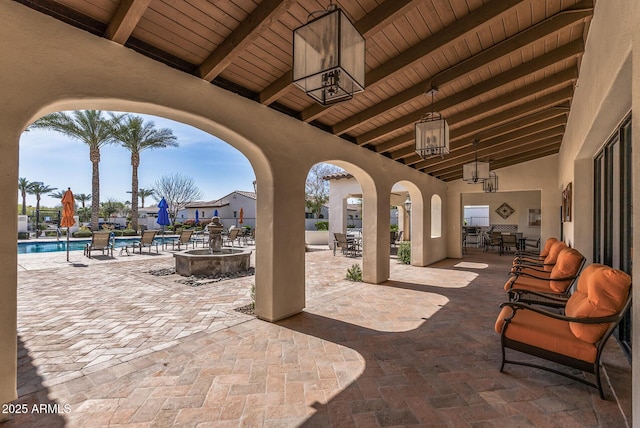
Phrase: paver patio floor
{"type": "Point", "coordinates": [121, 347]}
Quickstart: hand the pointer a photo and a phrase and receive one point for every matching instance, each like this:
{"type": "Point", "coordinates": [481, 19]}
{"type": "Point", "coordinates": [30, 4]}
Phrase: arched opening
{"type": "Point", "coordinates": [88, 294]}
{"type": "Point", "coordinates": [436, 216]}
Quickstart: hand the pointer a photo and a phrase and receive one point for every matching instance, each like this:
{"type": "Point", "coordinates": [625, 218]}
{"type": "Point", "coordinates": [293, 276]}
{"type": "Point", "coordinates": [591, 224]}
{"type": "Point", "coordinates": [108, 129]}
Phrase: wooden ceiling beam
{"type": "Point", "coordinates": [242, 36]}
{"type": "Point", "coordinates": [557, 55]}
{"type": "Point", "coordinates": [440, 40]}
{"type": "Point", "coordinates": [125, 19]}
{"type": "Point", "coordinates": [395, 143]}
{"type": "Point", "coordinates": [507, 151]}
{"type": "Point", "coordinates": [371, 23]}
{"type": "Point", "coordinates": [403, 153]}
{"type": "Point", "coordinates": [482, 59]}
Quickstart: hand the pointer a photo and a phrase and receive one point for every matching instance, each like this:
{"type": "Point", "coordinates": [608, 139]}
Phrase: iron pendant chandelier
{"type": "Point", "coordinates": [475, 172]}
{"type": "Point", "coordinates": [329, 57]}
{"type": "Point", "coordinates": [490, 185]}
{"type": "Point", "coordinates": [432, 134]}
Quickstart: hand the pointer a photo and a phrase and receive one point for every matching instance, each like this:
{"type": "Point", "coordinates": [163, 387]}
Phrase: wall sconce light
{"type": "Point", "coordinates": [329, 57]}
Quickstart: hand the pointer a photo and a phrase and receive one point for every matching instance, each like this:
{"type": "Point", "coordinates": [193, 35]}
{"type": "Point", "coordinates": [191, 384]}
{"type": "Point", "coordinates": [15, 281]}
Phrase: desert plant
{"type": "Point", "coordinates": [354, 273]}
{"type": "Point", "coordinates": [404, 253]}
{"type": "Point", "coordinates": [23, 235]}
{"type": "Point", "coordinates": [82, 234]}
{"type": "Point", "coordinates": [394, 228]}
{"type": "Point", "coordinates": [128, 232]}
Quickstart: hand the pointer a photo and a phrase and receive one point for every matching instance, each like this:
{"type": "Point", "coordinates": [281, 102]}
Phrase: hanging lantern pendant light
{"type": "Point", "coordinates": [432, 134]}
{"type": "Point", "coordinates": [329, 57]}
{"type": "Point", "coordinates": [475, 172]}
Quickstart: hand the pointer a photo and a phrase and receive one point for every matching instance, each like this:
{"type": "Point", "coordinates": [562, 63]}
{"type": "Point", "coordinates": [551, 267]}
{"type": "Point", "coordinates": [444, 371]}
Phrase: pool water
{"type": "Point", "coordinates": [75, 245]}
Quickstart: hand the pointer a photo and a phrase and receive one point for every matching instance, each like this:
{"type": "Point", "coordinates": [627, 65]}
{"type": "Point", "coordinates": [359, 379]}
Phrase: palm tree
{"type": "Point", "coordinates": [94, 130]}
{"type": "Point", "coordinates": [58, 195]}
{"type": "Point", "coordinates": [38, 188]}
{"type": "Point", "coordinates": [143, 194]}
{"type": "Point", "coordinates": [136, 135]}
{"type": "Point", "coordinates": [82, 198]}
{"type": "Point", "coordinates": [24, 186]}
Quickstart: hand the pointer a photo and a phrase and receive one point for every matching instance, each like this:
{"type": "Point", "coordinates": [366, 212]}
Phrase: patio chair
{"type": "Point", "coordinates": [234, 235]}
{"type": "Point", "coordinates": [184, 239]}
{"type": "Point", "coordinates": [147, 240]}
{"type": "Point", "coordinates": [575, 338]}
{"type": "Point", "coordinates": [509, 242]}
{"type": "Point", "coordinates": [492, 241]}
{"type": "Point", "coordinates": [100, 241]}
{"type": "Point", "coordinates": [547, 288]}
{"type": "Point", "coordinates": [546, 264]}
{"type": "Point", "coordinates": [348, 246]}
{"type": "Point", "coordinates": [537, 256]}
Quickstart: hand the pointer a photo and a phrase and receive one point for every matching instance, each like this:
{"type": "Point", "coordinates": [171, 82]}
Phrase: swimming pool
{"type": "Point", "coordinates": [74, 245]}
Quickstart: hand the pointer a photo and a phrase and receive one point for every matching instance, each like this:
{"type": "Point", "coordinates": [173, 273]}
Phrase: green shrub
{"type": "Point", "coordinates": [351, 226]}
{"type": "Point", "coordinates": [50, 233]}
{"type": "Point", "coordinates": [404, 253]}
{"type": "Point", "coordinates": [394, 228]}
{"type": "Point", "coordinates": [354, 273]}
{"type": "Point", "coordinates": [23, 235]}
{"type": "Point", "coordinates": [82, 234]}
{"type": "Point", "coordinates": [43, 226]}
{"type": "Point", "coordinates": [322, 225]}
{"type": "Point", "coordinates": [127, 232]}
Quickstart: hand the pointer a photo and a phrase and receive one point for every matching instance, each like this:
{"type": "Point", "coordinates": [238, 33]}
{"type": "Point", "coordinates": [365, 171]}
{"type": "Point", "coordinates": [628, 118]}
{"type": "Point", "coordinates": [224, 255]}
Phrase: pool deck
{"type": "Point", "coordinates": [122, 347]}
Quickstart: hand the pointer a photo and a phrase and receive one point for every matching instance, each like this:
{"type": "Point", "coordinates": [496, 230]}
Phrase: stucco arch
{"type": "Point", "coordinates": [97, 73]}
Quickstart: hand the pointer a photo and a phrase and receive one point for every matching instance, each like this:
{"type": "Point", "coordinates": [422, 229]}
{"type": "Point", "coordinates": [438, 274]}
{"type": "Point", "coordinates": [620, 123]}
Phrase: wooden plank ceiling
{"type": "Point", "coordinates": [505, 69]}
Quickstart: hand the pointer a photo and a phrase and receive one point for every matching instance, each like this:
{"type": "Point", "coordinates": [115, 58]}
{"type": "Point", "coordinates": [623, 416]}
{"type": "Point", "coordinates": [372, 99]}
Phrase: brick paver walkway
{"type": "Point", "coordinates": [120, 347]}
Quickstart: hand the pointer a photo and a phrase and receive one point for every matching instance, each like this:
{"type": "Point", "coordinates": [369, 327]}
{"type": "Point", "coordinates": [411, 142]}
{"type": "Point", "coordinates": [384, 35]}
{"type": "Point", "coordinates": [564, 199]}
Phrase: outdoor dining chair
{"type": "Point", "coordinates": [348, 246]}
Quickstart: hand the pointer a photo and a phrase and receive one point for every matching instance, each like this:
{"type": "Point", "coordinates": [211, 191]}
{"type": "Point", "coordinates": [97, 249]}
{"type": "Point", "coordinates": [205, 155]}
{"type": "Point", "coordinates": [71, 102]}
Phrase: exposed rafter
{"type": "Point", "coordinates": [125, 19]}
{"type": "Point", "coordinates": [250, 29]}
{"type": "Point", "coordinates": [440, 40]}
{"type": "Point", "coordinates": [482, 59]}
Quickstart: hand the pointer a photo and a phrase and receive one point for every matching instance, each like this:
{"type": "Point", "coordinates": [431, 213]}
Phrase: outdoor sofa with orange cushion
{"type": "Point", "coordinates": [577, 337]}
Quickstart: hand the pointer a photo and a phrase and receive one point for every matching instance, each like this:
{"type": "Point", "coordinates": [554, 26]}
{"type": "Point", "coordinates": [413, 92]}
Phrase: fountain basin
{"type": "Point", "coordinates": [205, 263]}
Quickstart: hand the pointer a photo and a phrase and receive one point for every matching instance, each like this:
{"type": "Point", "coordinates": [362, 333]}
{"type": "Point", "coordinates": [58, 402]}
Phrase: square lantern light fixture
{"type": "Point", "coordinates": [329, 57]}
{"type": "Point", "coordinates": [475, 172]}
{"type": "Point", "coordinates": [432, 134]}
{"type": "Point", "coordinates": [490, 185]}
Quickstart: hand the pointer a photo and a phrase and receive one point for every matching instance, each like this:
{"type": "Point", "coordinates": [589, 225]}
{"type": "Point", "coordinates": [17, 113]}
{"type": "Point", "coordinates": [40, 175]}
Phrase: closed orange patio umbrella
{"type": "Point", "coordinates": [68, 211]}
{"type": "Point", "coordinates": [241, 217]}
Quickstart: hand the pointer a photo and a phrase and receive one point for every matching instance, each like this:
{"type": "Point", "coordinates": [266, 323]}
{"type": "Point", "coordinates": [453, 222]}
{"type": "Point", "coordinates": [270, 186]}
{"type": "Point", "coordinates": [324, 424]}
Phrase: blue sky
{"type": "Point", "coordinates": [61, 162]}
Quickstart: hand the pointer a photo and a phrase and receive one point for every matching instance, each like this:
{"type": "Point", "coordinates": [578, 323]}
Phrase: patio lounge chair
{"type": "Point", "coordinates": [577, 337]}
{"type": "Point", "coordinates": [546, 264]}
{"type": "Point", "coordinates": [534, 256]}
{"type": "Point", "coordinates": [100, 241]}
{"type": "Point", "coordinates": [184, 239]}
{"type": "Point", "coordinates": [547, 288]}
{"type": "Point", "coordinates": [234, 235]}
{"type": "Point", "coordinates": [147, 240]}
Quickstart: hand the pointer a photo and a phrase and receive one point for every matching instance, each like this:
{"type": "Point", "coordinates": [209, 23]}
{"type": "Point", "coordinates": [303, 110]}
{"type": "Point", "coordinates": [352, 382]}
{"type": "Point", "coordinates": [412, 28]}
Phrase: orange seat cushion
{"type": "Point", "coordinates": [554, 252]}
{"type": "Point", "coordinates": [545, 333]}
{"type": "Point", "coordinates": [601, 291]}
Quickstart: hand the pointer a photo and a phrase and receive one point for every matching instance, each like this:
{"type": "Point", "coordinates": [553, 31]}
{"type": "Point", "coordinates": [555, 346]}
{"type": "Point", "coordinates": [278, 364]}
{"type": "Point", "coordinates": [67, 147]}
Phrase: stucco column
{"type": "Point", "coordinates": [280, 256]}
{"type": "Point", "coordinates": [420, 223]}
{"type": "Point", "coordinates": [337, 213]}
{"type": "Point", "coordinates": [9, 136]}
{"type": "Point", "coordinates": [376, 237]}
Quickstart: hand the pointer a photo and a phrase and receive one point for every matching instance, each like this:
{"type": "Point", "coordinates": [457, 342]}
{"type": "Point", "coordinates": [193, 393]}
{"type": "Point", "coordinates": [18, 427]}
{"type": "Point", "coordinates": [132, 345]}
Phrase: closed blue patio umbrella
{"type": "Point", "coordinates": [215, 213]}
{"type": "Point", "coordinates": [197, 217]}
{"type": "Point", "coordinates": [163, 216]}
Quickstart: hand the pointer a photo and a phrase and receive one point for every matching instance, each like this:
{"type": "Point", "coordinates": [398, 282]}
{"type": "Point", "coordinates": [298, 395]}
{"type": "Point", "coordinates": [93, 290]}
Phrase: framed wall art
{"type": "Point", "coordinates": [567, 197]}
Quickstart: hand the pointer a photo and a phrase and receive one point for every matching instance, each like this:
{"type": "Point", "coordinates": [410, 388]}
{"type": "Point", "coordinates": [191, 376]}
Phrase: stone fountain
{"type": "Point", "coordinates": [214, 260]}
